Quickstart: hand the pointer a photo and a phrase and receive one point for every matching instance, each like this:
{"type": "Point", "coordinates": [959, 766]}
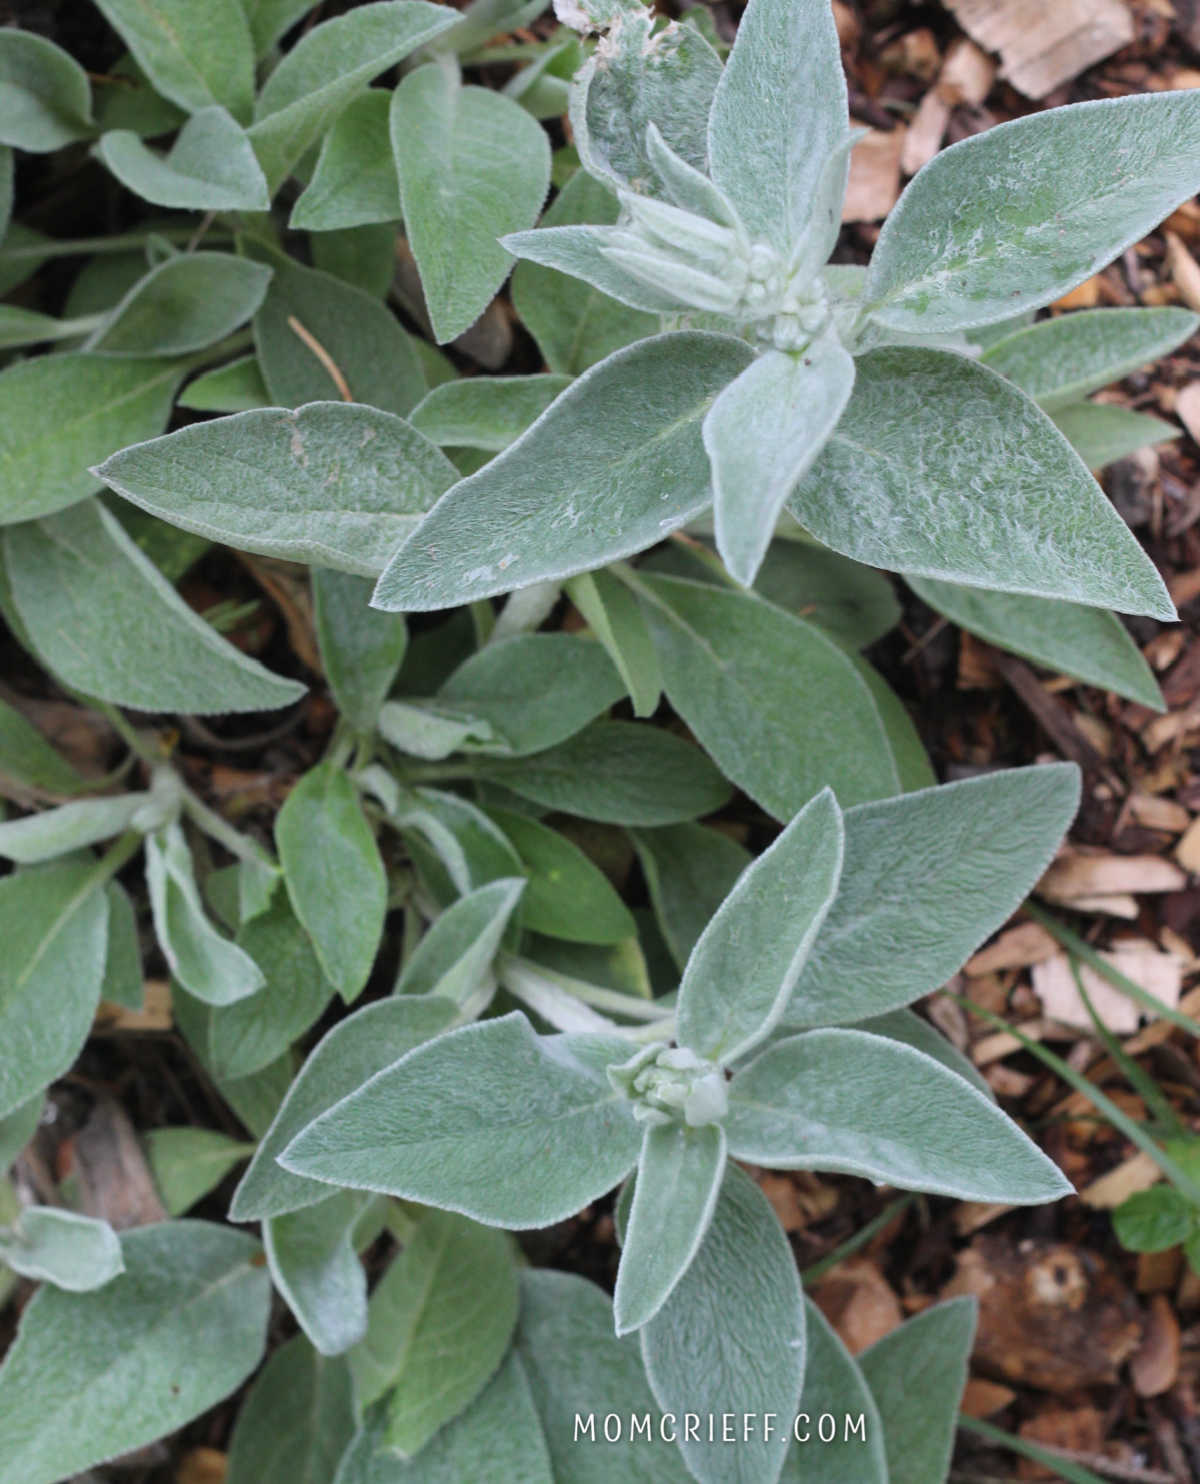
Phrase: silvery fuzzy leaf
{"type": "Point", "coordinates": [637, 79]}
{"type": "Point", "coordinates": [473, 166]}
{"type": "Point", "coordinates": [441, 1320]}
{"type": "Point", "coordinates": [586, 252]}
{"type": "Point", "coordinates": [1088, 643]}
{"type": "Point", "coordinates": [194, 60]}
{"type": "Point", "coordinates": [942, 468]}
{"type": "Point", "coordinates": [328, 67]}
{"type": "Point", "coordinates": [487, 412]}
{"type": "Point", "coordinates": [453, 958]}
{"type": "Point", "coordinates": [296, 1421]}
{"type": "Point", "coordinates": [1101, 433]}
{"type": "Point", "coordinates": [963, 855]}
{"type": "Point", "coordinates": [678, 1182]}
{"type": "Point", "coordinates": [490, 1120]}
{"type": "Point", "coordinates": [188, 1162]}
{"type": "Point", "coordinates": [355, 181]}
{"type": "Point", "coordinates": [73, 1252]}
{"type": "Point", "coordinates": [1060, 360]}
{"type": "Point", "coordinates": [835, 1387]}
{"type": "Point", "coordinates": [54, 925]}
{"type": "Point", "coordinates": [47, 96]}
{"type": "Point", "coordinates": [613, 615]}
{"type": "Point", "coordinates": [1013, 218]}
{"type": "Point", "coordinates": [665, 273]}
{"type": "Point", "coordinates": [186, 303]}
{"type": "Point", "coordinates": [178, 1331]}
{"type": "Point", "coordinates": [762, 434]}
{"type": "Point", "coordinates": [52, 832]}
{"type": "Point", "coordinates": [316, 1270]}
{"type": "Point", "coordinates": [779, 112]}
{"type": "Point", "coordinates": [361, 648]}
{"type": "Point", "coordinates": [210, 167]}
{"type": "Point", "coordinates": [731, 664]}
{"type": "Point", "coordinates": [354, 1050]}
{"type": "Point", "coordinates": [731, 1337]}
{"type": "Point", "coordinates": [927, 1357]}
{"type": "Point", "coordinates": [207, 964]}
{"type": "Point", "coordinates": [867, 1105]}
{"type": "Point", "coordinates": [600, 475]}
{"type": "Point", "coordinates": [332, 483]}
{"type": "Point", "coordinates": [741, 973]}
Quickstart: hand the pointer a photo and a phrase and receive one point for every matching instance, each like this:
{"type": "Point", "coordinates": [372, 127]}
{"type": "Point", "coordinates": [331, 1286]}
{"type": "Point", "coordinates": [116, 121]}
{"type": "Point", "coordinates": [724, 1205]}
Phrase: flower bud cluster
{"type": "Point", "coordinates": [670, 1084]}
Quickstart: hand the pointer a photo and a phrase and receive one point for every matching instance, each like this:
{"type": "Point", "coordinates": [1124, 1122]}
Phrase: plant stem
{"type": "Point", "coordinates": [220, 830]}
{"type": "Point", "coordinates": [85, 246]}
{"type": "Point", "coordinates": [438, 772]}
{"type": "Point", "coordinates": [592, 994]}
{"type": "Point", "coordinates": [853, 1244]}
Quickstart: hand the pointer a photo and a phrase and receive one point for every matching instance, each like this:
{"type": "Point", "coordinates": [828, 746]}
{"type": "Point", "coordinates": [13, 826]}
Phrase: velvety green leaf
{"type": "Point", "coordinates": [45, 96]}
{"type": "Point", "coordinates": [575, 325]}
{"type": "Point", "coordinates": [601, 475]}
{"type": "Point", "coordinates": [926, 1357]}
{"type": "Point", "coordinates": [361, 648]}
{"type": "Point", "coordinates": [1060, 360]}
{"type": "Point", "coordinates": [73, 1252]}
{"type": "Point", "coordinates": [355, 180]}
{"type": "Point", "coordinates": [742, 971]}
{"type": "Point", "coordinates": [7, 172]}
{"type": "Point", "coordinates": [963, 856]}
{"type": "Point", "coordinates": [205, 963]}
{"type": "Point", "coordinates": [365, 258]}
{"type": "Point", "coordinates": [193, 56]}
{"type": "Point", "coordinates": [315, 1267]}
{"type": "Point", "coordinates": [779, 112]}
{"type": "Point", "coordinates": [130, 102]}
{"type": "Point", "coordinates": [454, 957]}
{"type": "Point", "coordinates": [353, 1052]}
{"type": "Point", "coordinates": [488, 1120]}
{"type": "Point", "coordinates": [617, 772]}
{"type": "Point", "coordinates": [189, 1162]}
{"type": "Point", "coordinates": [855, 604]}
{"type": "Point", "coordinates": [613, 615]}
{"type": "Point", "coordinates": [428, 730]}
{"type": "Point", "coordinates": [334, 875]}
{"type": "Point", "coordinates": [612, 263]}
{"type": "Point", "coordinates": [246, 1036]}
{"type": "Point", "coordinates": [834, 1387]}
{"type": "Point", "coordinates": [363, 337]}
{"type": "Point", "coordinates": [53, 832]}
{"type": "Point", "coordinates": [731, 1336]}
{"type": "Point", "coordinates": [846, 1100]}
{"type": "Point", "coordinates": [567, 895]}
{"type": "Point", "coordinates": [186, 303]}
{"type": "Point", "coordinates": [678, 1182]}
{"type": "Point", "coordinates": [577, 1368]}
{"type": "Point", "coordinates": [763, 433]}
{"type": "Point", "coordinates": [180, 1329]}
{"type": "Point", "coordinates": [29, 760]}
{"type": "Point", "coordinates": [1012, 218]}
{"type": "Point", "coordinates": [18, 1127]}
{"type": "Point", "coordinates": [535, 690]}
{"type": "Point", "coordinates": [733, 665]}
{"type": "Point", "coordinates": [59, 414]}
{"type": "Point", "coordinates": [53, 923]}
{"type": "Point", "coordinates": [328, 67]}
{"type": "Point", "coordinates": [500, 1433]}
{"type": "Point", "coordinates": [472, 849]}
{"type": "Point", "coordinates": [942, 468]}
{"type": "Point", "coordinates": [915, 1031]}
{"type": "Point", "coordinates": [296, 1421]}
{"type": "Point", "coordinates": [473, 166]}
{"type": "Point", "coordinates": [236, 387]}
{"type": "Point", "coordinates": [486, 412]}
{"type": "Point", "coordinates": [210, 167]}
{"type": "Point", "coordinates": [1088, 643]}
{"type": "Point", "coordinates": [104, 620]}
{"type": "Point", "coordinates": [27, 327]}
{"type": "Point", "coordinates": [666, 78]}
{"type": "Point", "coordinates": [689, 871]}
{"type": "Point", "coordinates": [283, 483]}
{"type": "Point", "coordinates": [1101, 434]}
{"type": "Point", "coordinates": [269, 19]}
{"type": "Point", "coordinates": [441, 1320]}
{"type": "Point", "coordinates": [1153, 1220]}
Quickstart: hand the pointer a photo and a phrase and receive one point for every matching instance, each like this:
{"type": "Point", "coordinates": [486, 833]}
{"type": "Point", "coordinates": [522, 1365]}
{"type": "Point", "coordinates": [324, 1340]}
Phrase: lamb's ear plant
{"type": "Point", "coordinates": [506, 1036]}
